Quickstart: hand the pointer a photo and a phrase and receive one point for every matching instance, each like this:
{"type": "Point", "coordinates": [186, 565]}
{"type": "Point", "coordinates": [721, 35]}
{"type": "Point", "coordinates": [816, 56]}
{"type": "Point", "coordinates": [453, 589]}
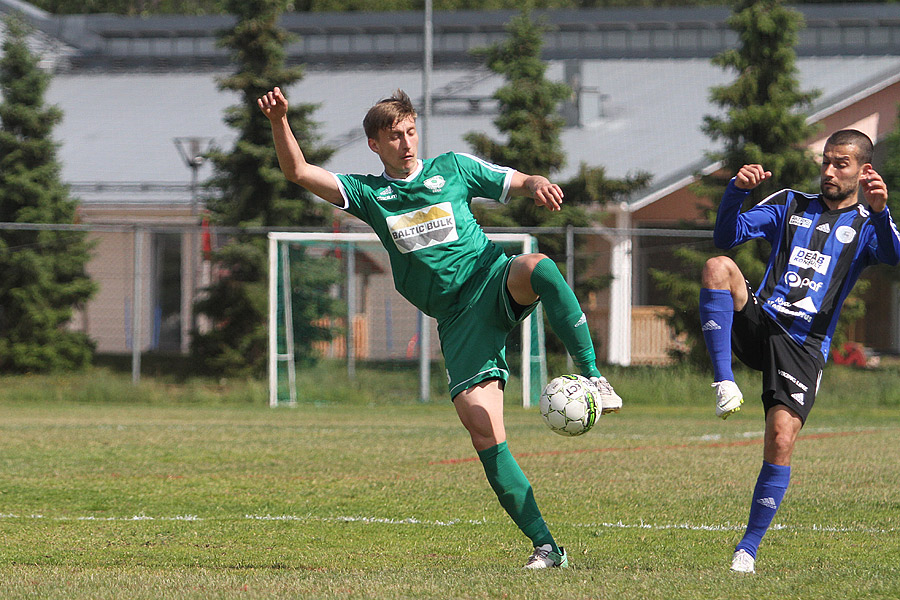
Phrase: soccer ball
{"type": "Point", "coordinates": [568, 405]}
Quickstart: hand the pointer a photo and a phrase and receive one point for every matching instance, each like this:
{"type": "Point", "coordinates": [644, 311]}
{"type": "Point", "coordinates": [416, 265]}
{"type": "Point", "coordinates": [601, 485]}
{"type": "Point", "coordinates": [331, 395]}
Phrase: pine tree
{"type": "Point", "coordinates": [43, 272]}
{"type": "Point", "coordinates": [763, 121]}
{"type": "Point", "coordinates": [890, 170]}
{"type": "Point", "coordinates": [254, 192]}
{"type": "Point", "coordinates": [530, 119]}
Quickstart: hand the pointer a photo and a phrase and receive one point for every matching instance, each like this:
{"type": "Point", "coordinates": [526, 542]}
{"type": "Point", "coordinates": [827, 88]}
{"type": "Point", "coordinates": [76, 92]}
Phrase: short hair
{"type": "Point", "coordinates": [852, 137]}
{"type": "Point", "coordinates": [388, 112]}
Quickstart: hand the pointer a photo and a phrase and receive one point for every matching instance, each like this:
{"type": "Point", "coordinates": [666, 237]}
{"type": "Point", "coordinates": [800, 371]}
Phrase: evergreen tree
{"type": "Point", "coordinates": [254, 192]}
{"type": "Point", "coordinates": [890, 170]}
{"type": "Point", "coordinates": [43, 272]}
{"type": "Point", "coordinates": [529, 118]}
{"type": "Point", "coordinates": [763, 121]}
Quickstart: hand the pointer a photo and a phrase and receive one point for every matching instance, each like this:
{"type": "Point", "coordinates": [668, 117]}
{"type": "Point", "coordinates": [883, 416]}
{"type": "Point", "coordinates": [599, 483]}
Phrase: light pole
{"type": "Point", "coordinates": [193, 151]}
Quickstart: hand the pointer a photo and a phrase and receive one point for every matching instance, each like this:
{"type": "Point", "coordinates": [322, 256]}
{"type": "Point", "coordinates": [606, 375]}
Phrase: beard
{"type": "Point", "coordinates": [835, 193]}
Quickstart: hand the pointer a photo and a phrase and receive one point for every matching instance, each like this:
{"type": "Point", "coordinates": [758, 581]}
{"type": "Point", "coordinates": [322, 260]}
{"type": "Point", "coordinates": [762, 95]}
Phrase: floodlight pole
{"type": "Point", "coordinates": [424, 130]}
{"type": "Point", "coordinates": [193, 151]}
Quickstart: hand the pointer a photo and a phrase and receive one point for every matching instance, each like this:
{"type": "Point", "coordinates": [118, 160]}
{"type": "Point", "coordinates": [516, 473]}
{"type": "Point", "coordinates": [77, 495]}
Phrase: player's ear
{"type": "Point", "coordinates": [373, 145]}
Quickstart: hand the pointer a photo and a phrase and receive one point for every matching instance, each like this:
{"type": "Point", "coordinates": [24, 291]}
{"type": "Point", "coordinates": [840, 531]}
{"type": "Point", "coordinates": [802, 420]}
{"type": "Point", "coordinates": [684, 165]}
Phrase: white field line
{"type": "Point", "coordinates": [430, 523]}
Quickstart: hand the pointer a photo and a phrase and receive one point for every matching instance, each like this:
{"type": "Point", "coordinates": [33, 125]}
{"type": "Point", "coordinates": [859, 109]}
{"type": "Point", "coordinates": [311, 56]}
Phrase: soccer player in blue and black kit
{"type": "Point", "coordinates": [820, 245]}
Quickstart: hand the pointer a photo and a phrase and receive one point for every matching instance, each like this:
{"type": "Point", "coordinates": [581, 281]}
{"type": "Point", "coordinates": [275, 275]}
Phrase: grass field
{"type": "Point", "coordinates": [198, 490]}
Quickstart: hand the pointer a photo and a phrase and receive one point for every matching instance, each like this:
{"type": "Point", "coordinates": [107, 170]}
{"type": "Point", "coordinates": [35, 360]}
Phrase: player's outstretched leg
{"type": "Point", "coordinates": [480, 409]}
{"type": "Point", "coordinates": [517, 498]}
{"type": "Point", "coordinates": [771, 486]}
{"type": "Point", "coordinates": [716, 315]}
{"type": "Point", "coordinates": [570, 324]}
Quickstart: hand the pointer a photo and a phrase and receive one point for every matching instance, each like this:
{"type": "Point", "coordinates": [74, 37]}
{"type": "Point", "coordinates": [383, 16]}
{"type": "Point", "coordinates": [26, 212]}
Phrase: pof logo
{"type": "Point", "coordinates": [800, 221]}
{"type": "Point", "coordinates": [810, 259]}
{"type": "Point", "coordinates": [435, 184]}
{"type": "Point", "coordinates": [795, 281]}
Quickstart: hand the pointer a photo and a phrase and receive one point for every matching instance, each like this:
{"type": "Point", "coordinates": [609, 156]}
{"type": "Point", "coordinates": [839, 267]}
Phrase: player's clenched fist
{"type": "Point", "coordinates": [874, 189]}
{"type": "Point", "coordinates": [751, 176]}
{"type": "Point", "coordinates": [274, 105]}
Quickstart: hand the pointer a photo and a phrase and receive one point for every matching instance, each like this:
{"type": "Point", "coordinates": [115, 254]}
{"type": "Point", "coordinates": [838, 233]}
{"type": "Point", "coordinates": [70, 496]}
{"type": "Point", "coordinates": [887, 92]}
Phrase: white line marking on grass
{"type": "Point", "coordinates": [452, 523]}
{"type": "Point", "coordinates": [730, 527]}
{"type": "Point", "coordinates": [360, 519]}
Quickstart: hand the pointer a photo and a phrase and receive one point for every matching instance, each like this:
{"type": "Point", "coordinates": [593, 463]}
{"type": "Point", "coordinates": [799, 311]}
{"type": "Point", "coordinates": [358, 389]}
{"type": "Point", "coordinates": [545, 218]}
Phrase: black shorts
{"type": "Point", "coordinates": [791, 375]}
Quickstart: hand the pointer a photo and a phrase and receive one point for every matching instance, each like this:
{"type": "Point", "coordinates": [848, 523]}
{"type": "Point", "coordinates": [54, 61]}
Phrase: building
{"type": "Point", "coordinates": [130, 86]}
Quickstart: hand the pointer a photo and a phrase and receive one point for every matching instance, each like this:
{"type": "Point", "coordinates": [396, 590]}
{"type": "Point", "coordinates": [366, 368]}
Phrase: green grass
{"type": "Point", "coordinates": [198, 490]}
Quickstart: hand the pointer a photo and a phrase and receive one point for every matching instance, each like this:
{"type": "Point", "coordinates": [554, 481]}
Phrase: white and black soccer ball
{"type": "Point", "coordinates": [569, 406]}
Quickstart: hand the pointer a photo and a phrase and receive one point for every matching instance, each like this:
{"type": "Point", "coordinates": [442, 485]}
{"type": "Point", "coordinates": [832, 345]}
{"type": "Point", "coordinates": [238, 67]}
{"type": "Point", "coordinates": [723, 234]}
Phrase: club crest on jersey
{"type": "Point", "coordinates": [845, 234]}
{"type": "Point", "coordinates": [435, 184]}
{"type": "Point", "coordinates": [810, 259]}
{"type": "Point", "coordinates": [423, 228]}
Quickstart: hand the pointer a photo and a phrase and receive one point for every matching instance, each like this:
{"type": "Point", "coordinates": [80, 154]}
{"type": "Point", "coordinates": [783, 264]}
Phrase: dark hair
{"type": "Point", "coordinates": [387, 113]}
{"type": "Point", "coordinates": [852, 137]}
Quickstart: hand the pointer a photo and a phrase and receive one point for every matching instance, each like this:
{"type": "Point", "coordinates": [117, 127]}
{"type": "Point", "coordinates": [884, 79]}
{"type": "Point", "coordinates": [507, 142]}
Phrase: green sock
{"type": "Point", "coordinates": [515, 493]}
{"type": "Point", "coordinates": [565, 315]}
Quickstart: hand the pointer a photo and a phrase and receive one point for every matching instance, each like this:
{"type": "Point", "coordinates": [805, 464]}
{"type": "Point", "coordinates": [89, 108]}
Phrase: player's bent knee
{"type": "Point", "coordinates": [528, 262]}
{"type": "Point", "coordinates": [719, 272]}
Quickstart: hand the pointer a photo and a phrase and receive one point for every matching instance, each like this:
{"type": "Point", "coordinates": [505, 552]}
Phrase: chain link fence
{"type": "Point", "coordinates": [149, 275]}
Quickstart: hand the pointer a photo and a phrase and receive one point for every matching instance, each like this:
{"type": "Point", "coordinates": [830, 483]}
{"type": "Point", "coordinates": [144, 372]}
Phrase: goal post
{"type": "Point", "coordinates": [378, 324]}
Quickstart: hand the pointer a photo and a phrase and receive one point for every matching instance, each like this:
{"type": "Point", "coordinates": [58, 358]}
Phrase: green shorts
{"type": "Point", "coordinates": [473, 340]}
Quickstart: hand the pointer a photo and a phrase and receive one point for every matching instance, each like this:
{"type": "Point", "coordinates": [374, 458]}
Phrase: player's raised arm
{"type": "Point", "coordinates": [538, 187]}
{"type": "Point", "coordinates": [874, 189]}
{"type": "Point", "coordinates": [290, 157]}
{"type": "Point", "coordinates": [751, 176]}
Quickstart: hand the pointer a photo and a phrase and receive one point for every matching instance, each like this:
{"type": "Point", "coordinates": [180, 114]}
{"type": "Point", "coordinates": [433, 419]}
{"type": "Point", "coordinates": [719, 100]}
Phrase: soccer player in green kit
{"type": "Point", "coordinates": [445, 265]}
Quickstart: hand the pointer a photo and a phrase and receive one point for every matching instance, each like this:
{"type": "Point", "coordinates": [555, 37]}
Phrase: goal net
{"type": "Point", "coordinates": [348, 277]}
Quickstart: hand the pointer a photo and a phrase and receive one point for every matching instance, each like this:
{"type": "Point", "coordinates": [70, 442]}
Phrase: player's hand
{"type": "Point", "coordinates": [545, 193]}
{"type": "Point", "coordinates": [274, 105]}
{"type": "Point", "coordinates": [874, 189]}
{"type": "Point", "coordinates": [751, 176]}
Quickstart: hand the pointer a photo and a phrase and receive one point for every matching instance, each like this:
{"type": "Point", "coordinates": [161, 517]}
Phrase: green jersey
{"type": "Point", "coordinates": [425, 222]}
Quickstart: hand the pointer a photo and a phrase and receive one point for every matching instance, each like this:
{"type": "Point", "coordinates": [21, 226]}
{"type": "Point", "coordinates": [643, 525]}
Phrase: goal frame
{"type": "Point", "coordinates": [532, 329]}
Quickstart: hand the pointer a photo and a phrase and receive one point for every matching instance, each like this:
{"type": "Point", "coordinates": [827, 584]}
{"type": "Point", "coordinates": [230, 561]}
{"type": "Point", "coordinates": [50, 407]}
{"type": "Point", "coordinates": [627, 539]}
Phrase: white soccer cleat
{"type": "Point", "coordinates": [743, 562]}
{"type": "Point", "coordinates": [609, 399]}
{"type": "Point", "coordinates": [728, 398]}
{"type": "Point", "coordinates": [544, 557]}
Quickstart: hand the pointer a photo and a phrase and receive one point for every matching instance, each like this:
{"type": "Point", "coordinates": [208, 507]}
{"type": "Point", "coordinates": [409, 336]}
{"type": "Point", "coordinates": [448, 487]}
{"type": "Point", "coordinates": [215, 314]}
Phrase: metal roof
{"type": "Point", "coordinates": [644, 115]}
{"type": "Point", "coordinates": [107, 42]}
{"type": "Point", "coordinates": [635, 113]}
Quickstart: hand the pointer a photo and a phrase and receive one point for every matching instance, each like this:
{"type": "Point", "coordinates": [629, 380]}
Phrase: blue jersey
{"type": "Point", "coordinates": [817, 256]}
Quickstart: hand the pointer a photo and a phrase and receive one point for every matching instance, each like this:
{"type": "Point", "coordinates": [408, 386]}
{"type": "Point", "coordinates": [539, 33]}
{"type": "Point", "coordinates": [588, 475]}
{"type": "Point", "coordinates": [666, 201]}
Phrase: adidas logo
{"type": "Point", "coordinates": [768, 503]}
{"type": "Point", "coordinates": [824, 228]}
{"type": "Point", "coordinates": [581, 321]}
{"type": "Point", "coordinates": [711, 326]}
{"type": "Point", "coordinates": [798, 397]}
